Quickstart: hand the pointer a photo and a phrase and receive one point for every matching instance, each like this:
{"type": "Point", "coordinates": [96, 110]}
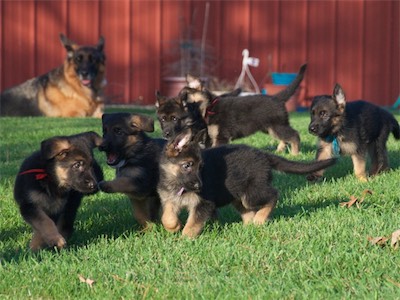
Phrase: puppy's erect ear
{"type": "Point", "coordinates": [159, 99]}
{"type": "Point", "coordinates": [142, 122]}
{"type": "Point", "coordinates": [194, 82]}
{"type": "Point", "coordinates": [339, 97]}
{"type": "Point", "coordinates": [201, 138]}
{"type": "Point", "coordinates": [69, 45]}
{"type": "Point", "coordinates": [54, 147]}
{"type": "Point", "coordinates": [178, 143]}
{"type": "Point", "coordinates": [100, 44]}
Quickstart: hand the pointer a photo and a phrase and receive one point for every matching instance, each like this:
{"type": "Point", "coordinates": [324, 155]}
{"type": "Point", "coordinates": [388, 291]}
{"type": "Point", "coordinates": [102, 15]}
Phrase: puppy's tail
{"type": "Point", "coordinates": [395, 129]}
{"type": "Point", "coordinates": [285, 94]}
{"type": "Point", "coordinates": [283, 165]}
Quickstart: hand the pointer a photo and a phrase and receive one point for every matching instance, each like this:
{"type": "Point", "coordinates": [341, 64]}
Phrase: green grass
{"type": "Point", "coordinates": [312, 248]}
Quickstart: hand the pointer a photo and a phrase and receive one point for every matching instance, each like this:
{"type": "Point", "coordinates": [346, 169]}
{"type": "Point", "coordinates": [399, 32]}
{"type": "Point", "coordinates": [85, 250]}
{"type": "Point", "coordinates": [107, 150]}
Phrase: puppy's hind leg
{"type": "Point", "coordinates": [264, 213]}
{"type": "Point", "coordinates": [379, 156]}
{"type": "Point", "coordinates": [246, 214]}
{"type": "Point", "coordinates": [286, 135]}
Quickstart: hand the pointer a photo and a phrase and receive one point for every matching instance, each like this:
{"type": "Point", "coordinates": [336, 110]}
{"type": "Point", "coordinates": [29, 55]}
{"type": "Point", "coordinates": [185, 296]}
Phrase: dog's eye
{"type": "Point", "coordinates": [118, 131]}
{"type": "Point", "coordinates": [323, 114]}
{"type": "Point", "coordinates": [173, 118]}
{"type": "Point", "coordinates": [78, 58]}
{"type": "Point", "coordinates": [187, 166]}
{"type": "Point", "coordinates": [163, 119]}
{"type": "Point", "coordinates": [77, 165]}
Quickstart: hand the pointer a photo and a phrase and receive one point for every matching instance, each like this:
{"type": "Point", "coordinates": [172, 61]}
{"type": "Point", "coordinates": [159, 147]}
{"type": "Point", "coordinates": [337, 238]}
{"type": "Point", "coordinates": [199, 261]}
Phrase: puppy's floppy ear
{"type": "Point", "coordinates": [93, 139]}
{"type": "Point", "coordinates": [54, 147]}
{"type": "Point", "coordinates": [176, 146]}
{"type": "Point", "coordinates": [142, 122]}
{"type": "Point", "coordinates": [69, 45]}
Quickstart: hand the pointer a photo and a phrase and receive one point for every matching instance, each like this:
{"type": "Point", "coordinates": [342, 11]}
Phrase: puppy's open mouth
{"type": "Point", "coordinates": [114, 161]}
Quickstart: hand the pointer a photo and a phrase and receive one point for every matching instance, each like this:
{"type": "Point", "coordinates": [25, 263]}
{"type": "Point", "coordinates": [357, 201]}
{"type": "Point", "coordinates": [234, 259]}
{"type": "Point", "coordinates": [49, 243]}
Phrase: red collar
{"type": "Point", "coordinates": [209, 109]}
{"type": "Point", "coordinates": [40, 173]}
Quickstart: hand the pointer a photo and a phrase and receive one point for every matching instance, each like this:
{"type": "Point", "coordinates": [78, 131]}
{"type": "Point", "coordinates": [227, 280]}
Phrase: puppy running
{"type": "Point", "coordinates": [135, 156]}
{"type": "Point", "coordinates": [200, 181]}
{"type": "Point", "coordinates": [358, 128]}
{"type": "Point", "coordinates": [51, 183]}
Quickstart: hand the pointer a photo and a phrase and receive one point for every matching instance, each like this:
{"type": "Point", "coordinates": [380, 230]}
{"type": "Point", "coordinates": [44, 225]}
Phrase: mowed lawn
{"type": "Point", "coordinates": [313, 248]}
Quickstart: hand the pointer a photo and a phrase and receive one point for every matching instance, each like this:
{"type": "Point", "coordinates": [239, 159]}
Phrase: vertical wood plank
{"type": "Point", "coordinates": [145, 50]}
{"type": "Point", "coordinates": [321, 47]}
{"type": "Point", "coordinates": [19, 36]}
{"type": "Point", "coordinates": [349, 47]}
{"type": "Point", "coordinates": [50, 53]}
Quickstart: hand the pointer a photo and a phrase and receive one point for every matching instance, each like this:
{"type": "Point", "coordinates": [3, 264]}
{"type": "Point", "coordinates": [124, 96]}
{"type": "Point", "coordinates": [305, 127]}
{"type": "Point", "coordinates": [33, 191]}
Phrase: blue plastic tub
{"type": "Point", "coordinates": [283, 78]}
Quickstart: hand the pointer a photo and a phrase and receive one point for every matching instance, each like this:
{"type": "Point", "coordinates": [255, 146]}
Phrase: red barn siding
{"type": "Point", "coordinates": [355, 43]}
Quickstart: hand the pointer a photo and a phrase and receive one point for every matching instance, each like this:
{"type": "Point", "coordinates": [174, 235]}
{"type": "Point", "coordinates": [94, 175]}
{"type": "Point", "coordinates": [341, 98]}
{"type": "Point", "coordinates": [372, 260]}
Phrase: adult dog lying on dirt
{"type": "Point", "coordinates": [200, 181]}
{"type": "Point", "coordinates": [230, 118]}
{"type": "Point", "coordinates": [51, 183]}
{"type": "Point", "coordinates": [135, 156]}
{"type": "Point", "coordinates": [357, 128]}
{"type": "Point", "coordinates": [74, 89]}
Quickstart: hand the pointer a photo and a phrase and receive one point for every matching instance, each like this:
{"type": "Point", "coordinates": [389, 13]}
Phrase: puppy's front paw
{"type": "Point", "coordinates": [313, 177]}
{"type": "Point", "coordinates": [105, 186]}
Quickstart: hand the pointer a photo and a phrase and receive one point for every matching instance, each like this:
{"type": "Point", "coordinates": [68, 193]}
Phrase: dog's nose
{"type": "Point", "coordinates": [313, 128]}
{"type": "Point", "coordinates": [197, 185]}
{"type": "Point", "coordinates": [167, 134]}
{"type": "Point", "coordinates": [90, 184]}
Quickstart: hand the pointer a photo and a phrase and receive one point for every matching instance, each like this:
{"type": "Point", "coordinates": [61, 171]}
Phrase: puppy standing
{"type": "Point", "coordinates": [202, 180]}
{"type": "Point", "coordinates": [135, 156]}
{"type": "Point", "coordinates": [230, 118]}
{"type": "Point", "coordinates": [358, 128]}
{"type": "Point", "coordinates": [74, 89]}
{"type": "Point", "coordinates": [51, 183]}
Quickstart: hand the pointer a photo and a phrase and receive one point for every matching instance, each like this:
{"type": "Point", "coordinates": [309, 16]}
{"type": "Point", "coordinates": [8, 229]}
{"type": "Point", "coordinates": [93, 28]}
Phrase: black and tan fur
{"type": "Point", "coordinates": [201, 181]}
{"type": "Point", "coordinates": [230, 118]}
{"type": "Point", "coordinates": [135, 156]}
{"type": "Point", "coordinates": [74, 89]}
{"type": "Point", "coordinates": [361, 130]}
{"type": "Point", "coordinates": [51, 183]}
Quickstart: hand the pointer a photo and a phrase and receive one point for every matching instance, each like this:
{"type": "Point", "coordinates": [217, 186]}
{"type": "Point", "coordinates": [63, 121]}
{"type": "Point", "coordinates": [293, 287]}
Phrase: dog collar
{"type": "Point", "coordinates": [209, 109]}
{"type": "Point", "coordinates": [335, 144]}
{"type": "Point", "coordinates": [40, 173]}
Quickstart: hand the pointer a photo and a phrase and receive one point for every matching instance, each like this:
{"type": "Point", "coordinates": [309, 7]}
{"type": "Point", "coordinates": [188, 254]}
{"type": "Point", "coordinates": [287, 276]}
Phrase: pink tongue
{"type": "Point", "coordinates": [181, 191]}
{"type": "Point", "coordinates": [111, 158]}
{"type": "Point", "coordinates": [85, 81]}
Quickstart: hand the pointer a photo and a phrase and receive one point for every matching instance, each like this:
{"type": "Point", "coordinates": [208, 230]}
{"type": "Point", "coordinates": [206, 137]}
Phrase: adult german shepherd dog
{"type": "Point", "coordinates": [200, 181]}
{"type": "Point", "coordinates": [230, 118]}
{"type": "Point", "coordinates": [357, 128]}
{"type": "Point", "coordinates": [51, 183]}
{"type": "Point", "coordinates": [74, 89]}
{"type": "Point", "coordinates": [135, 156]}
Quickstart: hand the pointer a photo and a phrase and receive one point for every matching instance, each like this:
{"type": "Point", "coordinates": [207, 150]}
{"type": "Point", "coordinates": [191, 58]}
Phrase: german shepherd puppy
{"type": "Point", "coordinates": [51, 183]}
{"type": "Point", "coordinates": [231, 118]}
{"type": "Point", "coordinates": [176, 114]}
{"type": "Point", "coordinates": [74, 89]}
{"type": "Point", "coordinates": [135, 156]}
{"type": "Point", "coordinates": [186, 110]}
{"type": "Point", "coordinates": [200, 181]}
{"type": "Point", "coordinates": [358, 128]}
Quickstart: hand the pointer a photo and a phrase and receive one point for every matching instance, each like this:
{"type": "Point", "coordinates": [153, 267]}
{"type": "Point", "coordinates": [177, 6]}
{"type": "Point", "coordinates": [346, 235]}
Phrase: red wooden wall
{"type": "Point", "coordinates": [355, 43]}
